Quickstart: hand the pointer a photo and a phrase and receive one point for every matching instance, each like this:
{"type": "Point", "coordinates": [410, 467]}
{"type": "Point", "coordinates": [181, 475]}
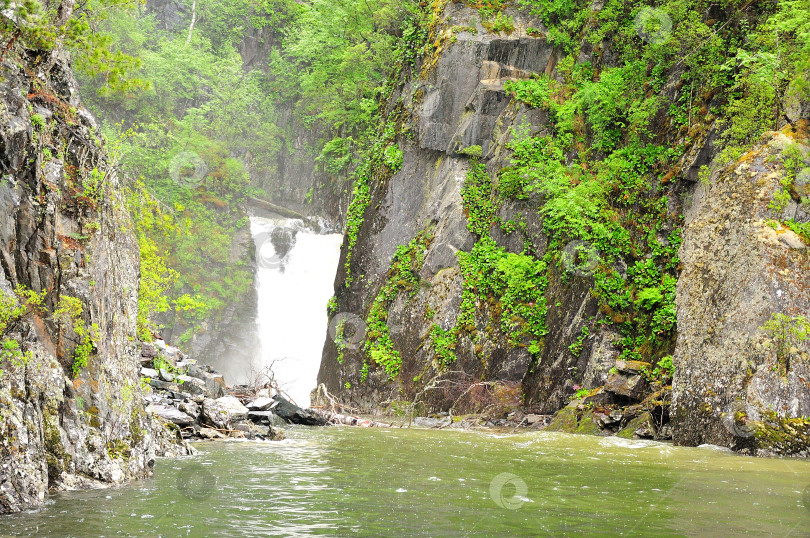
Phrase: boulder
{"type": "Point", "coordinates": [429, 422]}
{"type": "Point", "coordinates": [224, 411]}
{"type": "Point", "coordinates": [192, 385]}
{"type": "Point", "coordinates": [163, 385]}
{"type": "Point", "coordinates": [630, 386]}
{"type": "Point", "coordinates": [296, 415]}
{"type": "Point", "coordinates": [214, 382]}
{"type": "Point", "coordinates": [149, 372]}
{"type": "Point", "coordinates": [166, 376]}
{"type": "Point", "coordinates": [170, 414]}
{"type": "Point", "coordinates": [189, 408]}
{"type": "Point", "coordinates": [266, 417]}
{"type": "Point", "coordinates": [633, 367]}
{"type": "Point", "coordinates": [261, 404]}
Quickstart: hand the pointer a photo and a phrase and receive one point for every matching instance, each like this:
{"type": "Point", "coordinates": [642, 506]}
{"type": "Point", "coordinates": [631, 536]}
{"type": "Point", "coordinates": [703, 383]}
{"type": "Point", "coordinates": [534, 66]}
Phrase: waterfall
{"type": "Point", "coordinates": [295, 277]}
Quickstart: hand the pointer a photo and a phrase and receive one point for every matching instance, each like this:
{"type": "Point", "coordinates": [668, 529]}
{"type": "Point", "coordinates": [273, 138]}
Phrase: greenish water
{"type": "Point", "coordinates": [338, 481]}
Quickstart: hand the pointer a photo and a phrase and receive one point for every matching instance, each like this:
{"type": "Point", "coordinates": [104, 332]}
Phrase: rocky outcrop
{"type": "Point", "coordinates": [736, 382]}
{"type": "Point", "coordinates": [455, 100]}
{"type": "Point", "coordinates": [70, 407]}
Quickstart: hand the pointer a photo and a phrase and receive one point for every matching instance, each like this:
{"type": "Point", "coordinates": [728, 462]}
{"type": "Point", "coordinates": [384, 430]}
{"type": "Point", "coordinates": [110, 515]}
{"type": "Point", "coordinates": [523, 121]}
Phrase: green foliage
{"type": "Point", "coordinates": [472, 151]}
{"type": "Point", "coordinates": [536, 92]}
{"type": "Point", "coordinates": [516, 281]}
{"type": "Point", "coordinates": [13, 309]}
{"type": "Point", "coordinates": [500, 23]}
{"type": "Point", "coordinates": [403, 276]}
{"type": "Point", "coordinates": [332, 306]}
{"type": "Point", "coordinates": [69, 311]}
{"type": "Point", "coordinates": [355, 217]}
{"type": "Point", "coordinates": [393, 158]}
{"type": "Point", "coordinates": [477, 197]}
{"type": "Point", "coordinates": [787, 334]}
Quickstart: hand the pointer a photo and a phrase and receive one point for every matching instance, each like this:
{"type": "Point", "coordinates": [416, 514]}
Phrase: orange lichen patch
{"type": "Point", "coordinates": [668, 177]}
{"type": "Point", "coordinates": [799, 131]}
{"type": "Point", "coordinates": [70, 243]}
{"type": "Point", "coordinates": [208, 198]}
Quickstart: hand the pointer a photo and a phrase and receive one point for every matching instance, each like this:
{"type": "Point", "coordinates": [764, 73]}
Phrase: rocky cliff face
{"type": "Point", "coordinates": [456, 100]}
{"type": "Point", "coordinates": [71, 412]}
{"type": "Point", "coordinates": [738, 383]}
{"type": "Point", "coordinates": [451, 112]}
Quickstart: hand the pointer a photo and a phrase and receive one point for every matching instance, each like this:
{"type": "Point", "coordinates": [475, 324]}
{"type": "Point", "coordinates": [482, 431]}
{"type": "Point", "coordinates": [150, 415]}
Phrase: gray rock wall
{"type": "Point", "coordinates": [60, 430]}
{"type": "Point", "coordinates": [737, 272]}
{"type": "Point", "coordinates": [453, 101]}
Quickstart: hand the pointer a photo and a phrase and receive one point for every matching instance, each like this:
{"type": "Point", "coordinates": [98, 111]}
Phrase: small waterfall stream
{"type": "Point", "coordinates": [295, 276]}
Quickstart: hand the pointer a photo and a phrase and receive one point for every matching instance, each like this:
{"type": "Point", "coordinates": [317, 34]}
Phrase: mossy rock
{"type": "Point", "coordinates": [629, 431]}
{"type": "Point", "coordinates": [570, 419]}
{"type": "Point", "coordinates": [782, 435]}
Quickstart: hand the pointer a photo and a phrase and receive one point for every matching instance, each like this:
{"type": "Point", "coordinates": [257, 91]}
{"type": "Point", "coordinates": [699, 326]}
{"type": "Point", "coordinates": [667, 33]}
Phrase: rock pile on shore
{"type": "Point", "coordinates": [194, 399]}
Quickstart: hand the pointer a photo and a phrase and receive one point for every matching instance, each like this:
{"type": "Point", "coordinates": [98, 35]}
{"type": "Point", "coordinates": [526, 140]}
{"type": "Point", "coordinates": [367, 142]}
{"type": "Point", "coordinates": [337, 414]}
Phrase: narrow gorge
{"type": "Point", "coordinates": [232, 229]}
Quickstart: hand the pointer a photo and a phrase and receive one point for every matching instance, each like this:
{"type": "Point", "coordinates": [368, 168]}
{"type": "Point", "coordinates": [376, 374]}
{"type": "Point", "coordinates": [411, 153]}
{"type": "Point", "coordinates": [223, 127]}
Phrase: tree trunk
{"type": "Point", "coordinates": [193, 20]}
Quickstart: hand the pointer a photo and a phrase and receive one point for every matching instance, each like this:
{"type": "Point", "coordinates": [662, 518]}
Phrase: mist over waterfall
{"type": "Point", "coordinates": [295, 276]}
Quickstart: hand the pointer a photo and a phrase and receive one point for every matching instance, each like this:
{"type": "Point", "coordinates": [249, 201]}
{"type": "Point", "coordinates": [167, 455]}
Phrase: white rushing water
{"type": "Point", "coordinates": [294, 285]}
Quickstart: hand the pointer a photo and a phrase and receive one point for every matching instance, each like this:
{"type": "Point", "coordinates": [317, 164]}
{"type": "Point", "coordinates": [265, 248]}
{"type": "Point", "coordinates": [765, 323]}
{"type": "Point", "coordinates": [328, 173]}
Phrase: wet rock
{"type": "Point", "coordinates": [171, 414]}
{"type": "Point", "coordinates": [274, 434]}
{"type": "Point", "coordinates": [192, 385]}
{"type": "Point", "coordinates": [163, 385]}
{"type": "Point", "coordinates": [208, 433]}
{"type": "Point", "coordinates": [224, 411]}
{"type": "Point", "coordinates": [260, 404]}
{"type": "Point", "coordinates": [297, 415]}
{"type": "Point", "coordinates": [266, 417]}
{"type": "Point", "coordinates": [607, 418]}
{"type": "Point", "coordinates": [633, 367]}
{"type": "Point", "coordinates": [630, 386]}
{"type": "Point", "coordinates": [430, 422]}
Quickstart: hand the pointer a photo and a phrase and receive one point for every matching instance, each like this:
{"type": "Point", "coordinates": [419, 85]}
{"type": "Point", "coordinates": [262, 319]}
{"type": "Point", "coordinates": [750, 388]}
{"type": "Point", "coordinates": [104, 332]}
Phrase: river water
{"type": "Point", "coordinates": [416, 482]}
